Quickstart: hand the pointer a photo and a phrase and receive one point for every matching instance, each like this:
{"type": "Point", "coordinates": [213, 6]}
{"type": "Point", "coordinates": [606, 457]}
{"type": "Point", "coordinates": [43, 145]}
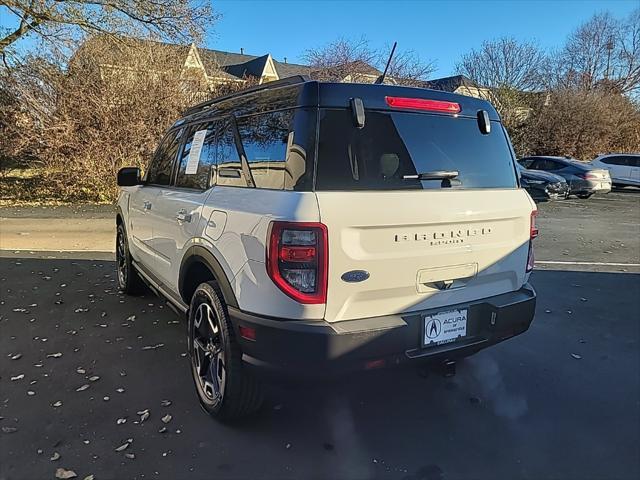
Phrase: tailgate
{"type": "Point", "coordinates": [422, 248]}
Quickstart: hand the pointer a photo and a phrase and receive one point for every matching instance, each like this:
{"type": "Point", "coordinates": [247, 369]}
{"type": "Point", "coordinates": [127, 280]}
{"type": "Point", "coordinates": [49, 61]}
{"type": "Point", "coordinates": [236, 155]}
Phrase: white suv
{"type": "Point", "coordinates": [624, 168]}
{"type": "Point", "coordinates": [307, 227]}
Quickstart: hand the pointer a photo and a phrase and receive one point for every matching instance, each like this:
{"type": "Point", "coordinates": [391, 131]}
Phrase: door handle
{"type": "Point", "coordinates": [146, 205]}
{"type": "Point", "coordinates": [183, 216]}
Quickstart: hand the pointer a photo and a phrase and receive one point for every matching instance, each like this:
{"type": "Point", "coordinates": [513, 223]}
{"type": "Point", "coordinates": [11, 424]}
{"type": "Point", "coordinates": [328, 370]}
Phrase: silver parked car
{"type": "Point", "coordinates": [584, 180]}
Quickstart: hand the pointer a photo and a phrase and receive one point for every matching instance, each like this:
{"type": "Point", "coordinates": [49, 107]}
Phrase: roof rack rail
{"type": "Point", "coordinates": [294, 80]}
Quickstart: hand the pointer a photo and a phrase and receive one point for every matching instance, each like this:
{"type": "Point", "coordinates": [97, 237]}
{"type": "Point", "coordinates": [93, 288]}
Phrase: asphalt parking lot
{"type": "Point", "coordinates": [80, 364]}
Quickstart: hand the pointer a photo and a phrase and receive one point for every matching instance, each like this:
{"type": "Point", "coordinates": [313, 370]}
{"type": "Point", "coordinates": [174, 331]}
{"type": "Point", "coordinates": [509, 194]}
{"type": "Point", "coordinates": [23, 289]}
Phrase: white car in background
{"type": "Point", "coordinates": [624, 168]}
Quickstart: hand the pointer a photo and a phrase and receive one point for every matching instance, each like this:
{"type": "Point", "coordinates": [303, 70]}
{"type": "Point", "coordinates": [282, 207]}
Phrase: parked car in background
{"type": "Point", "coordinates": [543, 185]}
{"type": "Point", "coordinates": [623, 168]}
{"type": "Point", "coordinates": [583, 179]}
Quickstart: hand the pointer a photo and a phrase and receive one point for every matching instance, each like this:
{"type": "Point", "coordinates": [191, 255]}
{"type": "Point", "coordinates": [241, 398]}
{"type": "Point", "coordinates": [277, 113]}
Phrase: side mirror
{"type": "Point", "coordinates": [129, 177]}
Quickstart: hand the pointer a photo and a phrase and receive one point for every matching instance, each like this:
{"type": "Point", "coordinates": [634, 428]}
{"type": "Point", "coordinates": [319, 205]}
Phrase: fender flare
{"type": "Point", "coordinates": [198, 253]}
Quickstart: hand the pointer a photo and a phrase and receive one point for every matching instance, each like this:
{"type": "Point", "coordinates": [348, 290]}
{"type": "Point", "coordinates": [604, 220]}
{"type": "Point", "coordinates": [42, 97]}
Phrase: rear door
{"type": "Point", "coordinates": [181, 203]}
{"type": "Point", "coordinates": [400, 244]}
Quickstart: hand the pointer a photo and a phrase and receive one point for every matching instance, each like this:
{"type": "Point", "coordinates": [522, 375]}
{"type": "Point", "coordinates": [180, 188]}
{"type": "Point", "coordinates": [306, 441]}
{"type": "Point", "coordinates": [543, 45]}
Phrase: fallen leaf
{"type": "Point", "coordinates": [576, 356]}
{"type": "Point", "coordinates": [88, 477]}
{"type": "Point", "coordinates": [120, 390]}
{"type": "Point", "coordinates": [123, 447]}
{"type": "Point", "coordinates": [153, 347]}
{"type": "Point", "coordinates": [17, 377]}
{"type": "Point", "coordinates": [162, 430]}
{"type": "Point", "coordinates": [55, 456]}
{"type": "Point", "coordinates": [120, 421]}
{"type": "Point", "coordinates": [31, 393]}
{"type": "Point", "coordinates": [95, 378]}
{"type": "Point", "coordinates": [167, 418]}
{"type": "Point", "coordinates": [132, 318]}
{"type": "Point", "coordinates": [81, 370]}
{"type": "Point", "coordinates": [106, 399]}
{"type": "Point", "coordinates": [83, 387]}
{"type": "Point", "coordinates": [9, 429]}
{"type": "Point", "coordinates": [16, 356]}
{"type": "Point", "coordinates": [57, 404]}
{"type": "Point", "coordinates": [130, 455]}
{"type": "Point", "coordinates": [65, 474]}
{"type": "Point", "coordinates": [165, 403]}
{"type": "Point", "coordinates": [54, 355]}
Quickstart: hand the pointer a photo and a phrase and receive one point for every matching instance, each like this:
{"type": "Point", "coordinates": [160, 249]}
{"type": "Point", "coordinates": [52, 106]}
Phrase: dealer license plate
{"type": "Point", "coordinates": [444, 327]}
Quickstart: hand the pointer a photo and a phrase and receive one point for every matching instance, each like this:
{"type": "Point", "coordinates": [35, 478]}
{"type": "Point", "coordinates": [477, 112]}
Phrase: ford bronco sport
{"type": "Point", "coordinates": [307, 227]}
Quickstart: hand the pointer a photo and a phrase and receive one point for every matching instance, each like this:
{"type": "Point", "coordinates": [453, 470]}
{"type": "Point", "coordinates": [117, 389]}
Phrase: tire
{"type": "Point", "coordinates": [225, 388]}
{"type": "Point", "coordinates": [584, 195]}
{"type": "Point", "coordinates": [129, 282]}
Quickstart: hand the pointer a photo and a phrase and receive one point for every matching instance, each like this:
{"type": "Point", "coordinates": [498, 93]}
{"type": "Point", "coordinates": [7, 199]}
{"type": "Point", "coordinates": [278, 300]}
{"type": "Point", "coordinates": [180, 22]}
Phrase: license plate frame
{"type": "Point", "coordinates": [444, 327]}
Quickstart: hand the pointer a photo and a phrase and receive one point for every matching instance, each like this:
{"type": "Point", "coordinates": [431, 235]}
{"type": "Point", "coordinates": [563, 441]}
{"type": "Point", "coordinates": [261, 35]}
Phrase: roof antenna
{"type": "Point", "coordinates": [380, 79]}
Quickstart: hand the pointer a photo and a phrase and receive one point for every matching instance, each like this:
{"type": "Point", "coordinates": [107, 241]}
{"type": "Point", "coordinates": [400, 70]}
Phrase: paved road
{"type": "Point", "coordinates": [524, 409]}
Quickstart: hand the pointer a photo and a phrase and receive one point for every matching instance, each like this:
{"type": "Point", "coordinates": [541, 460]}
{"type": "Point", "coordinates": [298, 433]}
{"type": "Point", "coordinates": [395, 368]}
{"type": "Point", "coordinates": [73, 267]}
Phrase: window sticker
{"type": "Point", "coordinates": [194, 153]}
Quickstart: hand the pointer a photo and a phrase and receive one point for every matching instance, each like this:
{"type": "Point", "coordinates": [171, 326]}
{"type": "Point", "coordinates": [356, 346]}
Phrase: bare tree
{"type": "Point", "coordinates": [56, 21]}
{"type": "Point", "coordinates": [504, 63]}
{"type": "Point", "coordinates": [509, 71]}
{"type": "Point", "coordinates": [356, 60]}
{"type": "Point", "coordinates": [80, 121]}
{"type": "Point", "coordinates": [580, 123]}
{"type": "Point", "coordinates": [603, 52]}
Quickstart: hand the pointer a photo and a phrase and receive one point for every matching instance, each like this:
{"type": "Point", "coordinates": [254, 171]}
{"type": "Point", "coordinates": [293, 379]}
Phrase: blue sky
{"type": "Point", "coordinates": [436, 30]}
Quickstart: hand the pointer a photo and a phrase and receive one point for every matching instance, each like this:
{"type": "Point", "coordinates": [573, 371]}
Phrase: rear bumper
{"type": "Point", "coordinates": [319, 347]}
{"type": "Point", "coordinates": [588, 186]}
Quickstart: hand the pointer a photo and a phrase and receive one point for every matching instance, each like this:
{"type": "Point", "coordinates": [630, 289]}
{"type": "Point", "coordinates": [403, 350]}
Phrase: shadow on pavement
{"type": "Point", "coordinates": [560, 401]}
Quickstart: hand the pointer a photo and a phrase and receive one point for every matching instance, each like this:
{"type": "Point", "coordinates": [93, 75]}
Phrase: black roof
{"type": "Point", "coordinates": [301, 92]}
{"type": "Point", "coordinates": [450, 84]}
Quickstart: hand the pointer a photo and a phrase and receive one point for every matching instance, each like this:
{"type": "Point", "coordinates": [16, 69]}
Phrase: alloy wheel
{"type": "Point", "coordinates": [208, 353]}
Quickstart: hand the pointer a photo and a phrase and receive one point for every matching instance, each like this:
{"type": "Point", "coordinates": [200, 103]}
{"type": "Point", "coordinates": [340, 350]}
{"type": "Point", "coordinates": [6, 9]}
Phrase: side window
{"type": "Point", "coordinates": [279, 148]}
{"type": "Point", "coordinates": [162, 163]}
{"type": "Point", "coordinates": [634, 161]}
{"type": "Point", "coordinates": [552, 165]}
{"type": "Point", "coordinates": [229, 168]}
{"type": "Point", "coordinates": [197, 164]}
{"type": "Point", "coordinates": [527, 163]}
{"type": "Point", "coordinates": [265, 138]}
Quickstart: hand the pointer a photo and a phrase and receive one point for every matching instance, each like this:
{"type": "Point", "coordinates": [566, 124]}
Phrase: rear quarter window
{"type": "Point", "coordinates": [394, 145]}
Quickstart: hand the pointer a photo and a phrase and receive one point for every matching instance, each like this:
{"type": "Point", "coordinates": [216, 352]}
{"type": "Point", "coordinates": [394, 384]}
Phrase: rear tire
{"type": "Point", "coordinates": [225, 388]}
{"type": "Point", "coordinates": [129, 281]}
{"type": "Point", "coordinates": [584, 195]}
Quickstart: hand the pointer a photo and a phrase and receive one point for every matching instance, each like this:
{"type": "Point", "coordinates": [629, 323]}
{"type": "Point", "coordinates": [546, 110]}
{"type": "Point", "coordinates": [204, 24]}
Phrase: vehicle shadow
{"type": "Point", "coordinates": [536, 406]}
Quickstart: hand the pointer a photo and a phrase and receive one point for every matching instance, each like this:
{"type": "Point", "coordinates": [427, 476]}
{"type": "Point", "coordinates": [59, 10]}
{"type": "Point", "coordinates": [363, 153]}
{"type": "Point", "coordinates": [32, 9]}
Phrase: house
{"type": "Point", "coordinates": [209, 69]}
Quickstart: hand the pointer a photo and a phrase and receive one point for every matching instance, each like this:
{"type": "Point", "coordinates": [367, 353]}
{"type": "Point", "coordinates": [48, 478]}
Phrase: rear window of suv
{"type": "Point", "coordinates": [393, 145]}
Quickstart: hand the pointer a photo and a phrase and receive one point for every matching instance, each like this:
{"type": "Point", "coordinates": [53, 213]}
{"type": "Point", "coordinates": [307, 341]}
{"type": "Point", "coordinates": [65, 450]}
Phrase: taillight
{"type": "Point", "coordinates": [534, 228]}
{"type": "Point", "coordinates": [423, 104]}
{"type": "Point", "coordinates": [297, 260]}
{"type": "Point", "coordinates": [533, 233]}
{"type": "Point", "coordinates": [588, 176]}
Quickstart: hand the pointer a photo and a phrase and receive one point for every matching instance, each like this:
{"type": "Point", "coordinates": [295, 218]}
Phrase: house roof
{"type": "Point", "coordinates": [239, 65]}
{"type": "Point", "coordinates": [450, 84]}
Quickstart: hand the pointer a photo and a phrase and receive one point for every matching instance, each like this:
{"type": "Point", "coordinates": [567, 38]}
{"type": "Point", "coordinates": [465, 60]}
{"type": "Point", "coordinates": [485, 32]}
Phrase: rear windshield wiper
{"type": "Point", "coordinates": [435, 175]}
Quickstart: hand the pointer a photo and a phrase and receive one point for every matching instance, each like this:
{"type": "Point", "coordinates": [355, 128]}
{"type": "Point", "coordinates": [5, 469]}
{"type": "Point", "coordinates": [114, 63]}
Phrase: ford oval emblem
{"type": "Point", "coordinates": [355, 276]}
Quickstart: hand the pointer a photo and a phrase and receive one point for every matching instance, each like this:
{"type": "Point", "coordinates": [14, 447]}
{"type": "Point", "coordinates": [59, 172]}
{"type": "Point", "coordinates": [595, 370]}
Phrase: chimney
{"type": "Point", "coordinates": [241, 51]}
{"type": "Point", "coordinates": [285, 59]}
